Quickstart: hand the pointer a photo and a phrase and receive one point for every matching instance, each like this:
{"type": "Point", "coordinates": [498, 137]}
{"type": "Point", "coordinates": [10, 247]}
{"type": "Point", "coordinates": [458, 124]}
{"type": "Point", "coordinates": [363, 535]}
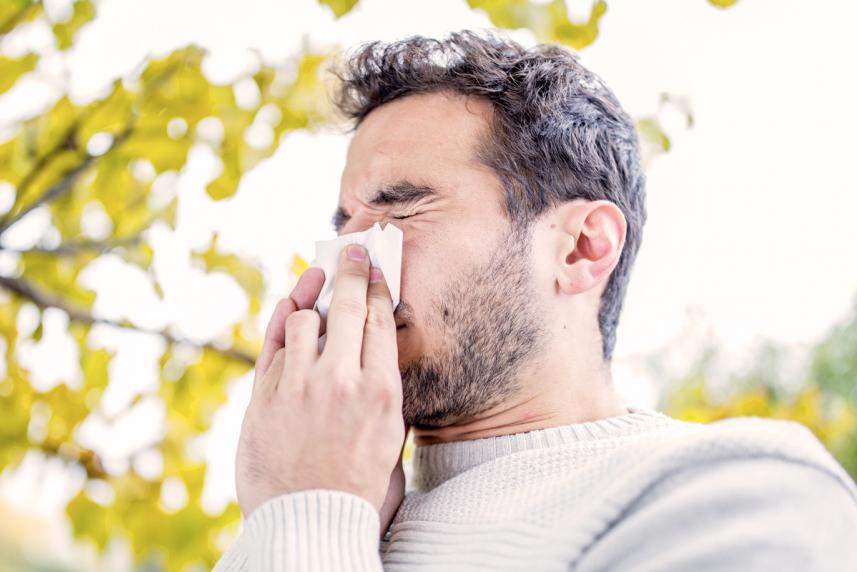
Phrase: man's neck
{"type": "Point", "coordinates": [543, 403]}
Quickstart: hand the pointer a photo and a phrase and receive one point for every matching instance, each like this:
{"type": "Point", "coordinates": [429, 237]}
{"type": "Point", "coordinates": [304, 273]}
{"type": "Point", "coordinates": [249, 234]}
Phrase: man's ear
{"type": "Point", "coordinates": [589, 237]}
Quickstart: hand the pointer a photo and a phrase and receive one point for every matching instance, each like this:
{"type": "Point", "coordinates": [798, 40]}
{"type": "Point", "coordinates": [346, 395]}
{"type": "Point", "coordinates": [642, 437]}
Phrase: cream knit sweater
{"type": "Point", "coordinates": [641, 492]}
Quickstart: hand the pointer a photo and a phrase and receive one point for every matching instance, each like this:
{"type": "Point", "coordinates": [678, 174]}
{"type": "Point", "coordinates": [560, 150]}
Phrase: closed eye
{"type": "Point", "coordinates": [404, 217]}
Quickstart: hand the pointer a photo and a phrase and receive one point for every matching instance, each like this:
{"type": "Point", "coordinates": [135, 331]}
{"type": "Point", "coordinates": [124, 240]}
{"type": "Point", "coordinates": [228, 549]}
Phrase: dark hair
{"type": "Point", "coordinates": [557, 132]}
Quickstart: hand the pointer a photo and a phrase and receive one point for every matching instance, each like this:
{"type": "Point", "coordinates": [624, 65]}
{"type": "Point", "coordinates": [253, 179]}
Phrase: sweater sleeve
{"type": "Point", "coordinates": [752, 514]}
{"type": "Point", "coordinates": [315, 530]}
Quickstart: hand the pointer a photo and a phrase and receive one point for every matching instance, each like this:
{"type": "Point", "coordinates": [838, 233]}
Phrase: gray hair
{"type": "Point", "coordinates": [557, 131]}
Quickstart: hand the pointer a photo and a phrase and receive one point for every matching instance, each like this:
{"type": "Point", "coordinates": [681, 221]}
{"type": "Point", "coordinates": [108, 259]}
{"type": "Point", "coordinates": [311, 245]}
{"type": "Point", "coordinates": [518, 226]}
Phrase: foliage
{"type": "Point", "coordinates": [339, 7]}
{"type": "Point", "coordinates": [834, 360]}
{"type": "Point", "coordinates": [549, 21]}
{"type": "Point", "coordinates": [108, 155]}
{"type": "Point", "coordinates": [823, 397]}
{"type": "Point", "coordinates": [723, 3]}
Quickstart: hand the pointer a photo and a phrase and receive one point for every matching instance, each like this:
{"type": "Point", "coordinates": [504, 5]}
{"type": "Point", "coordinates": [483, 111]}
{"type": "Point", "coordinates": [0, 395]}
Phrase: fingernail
{"type": "Point", "coordinates": [356, 252]}
{"type": "Point", "coordinates": [375, 275]}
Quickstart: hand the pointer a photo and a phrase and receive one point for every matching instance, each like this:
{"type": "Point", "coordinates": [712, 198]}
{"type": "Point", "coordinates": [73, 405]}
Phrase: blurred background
{"type": "Point", "coordinates": [166, 166]}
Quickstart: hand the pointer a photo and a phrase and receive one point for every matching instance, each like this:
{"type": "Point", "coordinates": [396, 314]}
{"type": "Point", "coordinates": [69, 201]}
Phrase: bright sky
{"type": "Point", "coordinates": [750, 224]}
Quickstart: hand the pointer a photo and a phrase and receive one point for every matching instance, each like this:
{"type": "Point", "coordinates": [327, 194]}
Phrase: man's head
{"type": "Point", "coordinates": [515, 177]}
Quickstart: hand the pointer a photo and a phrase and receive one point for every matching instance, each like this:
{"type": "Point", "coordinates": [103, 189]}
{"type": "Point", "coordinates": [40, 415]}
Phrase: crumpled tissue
{"type": "Point", "coordinates": [385, 251]}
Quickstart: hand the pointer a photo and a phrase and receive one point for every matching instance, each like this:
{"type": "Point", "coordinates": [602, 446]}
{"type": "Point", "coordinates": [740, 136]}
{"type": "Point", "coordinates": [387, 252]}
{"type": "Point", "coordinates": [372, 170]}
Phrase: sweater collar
{"type": "Point", "coordinates": [435, 464]}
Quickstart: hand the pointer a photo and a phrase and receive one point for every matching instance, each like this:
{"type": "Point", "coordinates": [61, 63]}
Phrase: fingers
{"type": "Point", "coordinates": [347, 314]}
{"type": "Point", "coordinates": [265, 383]}
{"type": "Point", "coordinates": [380, 348]}
{"type": "Point", "coordinates": [302, 297]}
{"type": "Point", "coordinates": [301, 349]}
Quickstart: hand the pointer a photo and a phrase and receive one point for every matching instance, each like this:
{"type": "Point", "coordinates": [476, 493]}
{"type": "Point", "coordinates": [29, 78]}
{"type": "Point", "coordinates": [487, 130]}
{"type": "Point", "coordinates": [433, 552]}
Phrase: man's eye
{"type": "Point", "coordinates": [405, 216]}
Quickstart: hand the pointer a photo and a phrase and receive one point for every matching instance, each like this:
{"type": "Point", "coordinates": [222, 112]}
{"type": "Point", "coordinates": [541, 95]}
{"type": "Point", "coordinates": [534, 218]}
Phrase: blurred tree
{"type": "Point", "coordinates": [105, 155]}
{"type": "Point", "coordinates": [822, 396]}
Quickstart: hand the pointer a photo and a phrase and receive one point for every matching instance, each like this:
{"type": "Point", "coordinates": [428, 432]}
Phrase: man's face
{"type": "Point", "coordinates": [470, 319]}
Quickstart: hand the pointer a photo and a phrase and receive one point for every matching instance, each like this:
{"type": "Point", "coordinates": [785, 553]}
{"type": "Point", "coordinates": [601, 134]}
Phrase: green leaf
{"type": "Point", "coordinates": [651, 129]}
{"type": "Point", "coordinates": [91, 520]}
{"type": "Point", "coordinates": [549, 21]}
{"type": "Point", "coordinates": [834, 360]}
{"type": "Point", "coordinates": [248, 276]}
{"type": "Point", "coordinates": [339, 7]}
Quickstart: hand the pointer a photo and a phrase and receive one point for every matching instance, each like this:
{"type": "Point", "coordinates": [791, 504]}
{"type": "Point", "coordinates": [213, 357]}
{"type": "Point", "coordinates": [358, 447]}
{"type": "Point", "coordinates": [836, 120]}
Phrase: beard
{"type": "Point", "coordinates": [490, 327]}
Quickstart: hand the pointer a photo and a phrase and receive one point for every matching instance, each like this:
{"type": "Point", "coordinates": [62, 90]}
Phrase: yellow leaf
{"type": "Point", "coordinates": [548, 21]}
{"type": "Point", "coordinates": [225, 185]}
{"type": "Point", "coordinates": [299, 265]}
{"type": "Point", "coordinates": [16, 12]}
{"type": "Point", "coordinates": [13, 68]}
{"type": "Point", "coordinates": [244, 272]}
{"type": "Point", "coordinates": [111, 114]}
{"type": "Point", "coordinates": [95, 364]}
{"type": "Point", "coordinates": [91, 520]}
{"type": "Point", "coordinates": [82, 12]}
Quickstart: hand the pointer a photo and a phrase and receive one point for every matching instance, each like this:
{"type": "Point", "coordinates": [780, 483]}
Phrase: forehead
{"type": "Point", "coordinates": [429, 139]}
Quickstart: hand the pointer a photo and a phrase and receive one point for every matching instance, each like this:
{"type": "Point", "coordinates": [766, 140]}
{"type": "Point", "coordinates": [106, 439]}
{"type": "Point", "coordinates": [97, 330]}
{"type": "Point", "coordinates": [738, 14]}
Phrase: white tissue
{"type": "Point", "coordinates": [385, 251]}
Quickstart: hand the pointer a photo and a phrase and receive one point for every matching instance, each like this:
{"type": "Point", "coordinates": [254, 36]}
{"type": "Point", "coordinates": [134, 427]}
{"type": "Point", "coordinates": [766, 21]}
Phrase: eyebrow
{"type": "Point", "coordinates": [403, 193]}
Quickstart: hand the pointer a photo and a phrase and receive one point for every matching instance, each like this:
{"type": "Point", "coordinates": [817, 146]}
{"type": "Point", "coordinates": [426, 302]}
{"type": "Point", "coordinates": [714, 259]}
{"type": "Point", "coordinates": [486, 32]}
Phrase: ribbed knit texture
{"type": "Point", "coordinates": [583, 497]}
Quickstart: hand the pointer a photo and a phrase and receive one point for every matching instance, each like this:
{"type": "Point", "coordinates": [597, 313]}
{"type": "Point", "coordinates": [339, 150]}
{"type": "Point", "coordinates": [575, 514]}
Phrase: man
{"type": "Point", "coordinates": [514, 175]}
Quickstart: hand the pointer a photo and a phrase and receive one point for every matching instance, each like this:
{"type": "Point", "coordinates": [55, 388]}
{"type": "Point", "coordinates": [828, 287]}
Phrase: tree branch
{"type": "Point", "coordinates": [66, 142]}
{"type": "Point", "coordinates": [73, 247]}
{"type": "Point", "coordinates": [16, 18]}
{"type": "Point", "coordinates": [43, 300]}
{"type": "Point", "coordinates": [74, 453]}
{"type": "Point", "coordinates": [64, 184]}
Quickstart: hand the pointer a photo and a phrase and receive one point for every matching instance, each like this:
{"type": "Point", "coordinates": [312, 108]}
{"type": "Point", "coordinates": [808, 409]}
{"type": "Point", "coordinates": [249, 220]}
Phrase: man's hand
{"type": "Point", "coordinates": [329, 421]}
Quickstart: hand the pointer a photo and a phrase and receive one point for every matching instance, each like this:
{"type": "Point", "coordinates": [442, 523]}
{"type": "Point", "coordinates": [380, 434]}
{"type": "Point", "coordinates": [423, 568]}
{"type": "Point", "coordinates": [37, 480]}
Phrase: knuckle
{"type": "Point", "coordinates": [354, 269]}
{"type": "Point", "coordinates": [379, 319]}
{"type": "Point", "coordinates": [284, 306]}
{"type": "Point", "coordinates": [275, 365]}
{"type": "Point", "coordinates": [341, 389]}
{"type": "Point", "coordinates": [350, 307]}
{"type": "Point", "coordinates": [379, 287]}
{"type": "Point", "coordinates": [293, 389]}
{"type": "Point", "coordinates": [302, 318]}
{"type": "Point", "coordinates": [338, 373]}
{"type": "Point", "coordinates": [384, 396]}
{"type": "Point", "coordinates": [298, 324]}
